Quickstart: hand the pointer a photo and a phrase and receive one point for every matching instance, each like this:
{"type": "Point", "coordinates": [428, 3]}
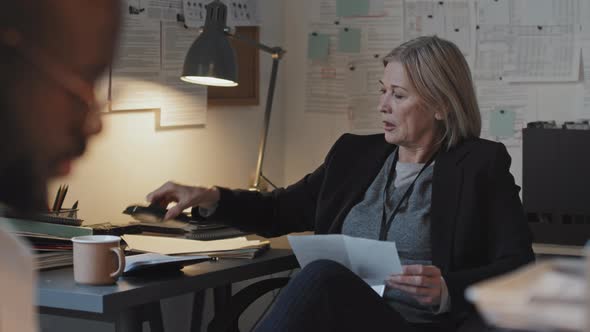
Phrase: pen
{"type": "Point", "coordinates": [54, 207]}
{"type": "Point", "coordinates": [63, 197]}
{"type": "Point", "coordinates": [73, 210]}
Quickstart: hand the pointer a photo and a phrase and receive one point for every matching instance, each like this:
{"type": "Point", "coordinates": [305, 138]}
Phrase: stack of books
{"type": "Point", "coordinates": [50, 241]}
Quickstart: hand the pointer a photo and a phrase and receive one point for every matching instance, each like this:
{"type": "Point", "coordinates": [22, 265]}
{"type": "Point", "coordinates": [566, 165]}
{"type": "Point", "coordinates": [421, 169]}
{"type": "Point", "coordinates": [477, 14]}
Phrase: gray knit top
{"type": "Point", "coordinates": [410, 228]}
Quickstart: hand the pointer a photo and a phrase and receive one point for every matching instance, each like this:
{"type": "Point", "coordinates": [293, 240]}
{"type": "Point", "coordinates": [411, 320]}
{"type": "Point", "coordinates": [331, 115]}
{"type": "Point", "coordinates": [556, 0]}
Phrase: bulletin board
{"type": "Point", "coordinates": [510, 45]}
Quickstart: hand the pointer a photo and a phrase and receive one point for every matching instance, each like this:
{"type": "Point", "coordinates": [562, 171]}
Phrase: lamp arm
{"type": "Point", "coordinates": [263, 138]}
{"type": "Point", "coordinates": [274, 51]}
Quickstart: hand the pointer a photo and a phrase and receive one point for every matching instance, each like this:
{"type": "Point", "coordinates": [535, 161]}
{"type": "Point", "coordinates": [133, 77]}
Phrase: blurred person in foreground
{"type": "Point", "coordinates": [51, 55]}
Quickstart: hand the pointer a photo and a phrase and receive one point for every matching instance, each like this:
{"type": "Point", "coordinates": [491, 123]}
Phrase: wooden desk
{"type": "Point", "coordinates": [136, 299]}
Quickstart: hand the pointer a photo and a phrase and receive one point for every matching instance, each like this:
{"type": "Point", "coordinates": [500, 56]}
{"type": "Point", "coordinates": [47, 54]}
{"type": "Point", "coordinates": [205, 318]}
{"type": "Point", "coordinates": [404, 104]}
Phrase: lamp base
{"type": "Point", "coordinates": [263, 184]}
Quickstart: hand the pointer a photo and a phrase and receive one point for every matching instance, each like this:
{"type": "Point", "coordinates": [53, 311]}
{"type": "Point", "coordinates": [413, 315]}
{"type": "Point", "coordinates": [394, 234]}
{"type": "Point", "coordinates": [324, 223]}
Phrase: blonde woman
{"type": "Point", "coordinates": [445, 196]}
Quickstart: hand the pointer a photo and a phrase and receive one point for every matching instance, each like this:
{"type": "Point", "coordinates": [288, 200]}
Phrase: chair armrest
{"type": "Point", "coordinates": [223, 321]}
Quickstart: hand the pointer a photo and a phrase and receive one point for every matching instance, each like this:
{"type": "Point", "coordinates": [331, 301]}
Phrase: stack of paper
{"type": "Point", "coordinates": [49, 260]}
{"type": "Point", "coordinates": [229, 248]}
{"type": "Point", "coordinates": [549, 295]}
{"type": "Point", "coordinates": [51, 242]}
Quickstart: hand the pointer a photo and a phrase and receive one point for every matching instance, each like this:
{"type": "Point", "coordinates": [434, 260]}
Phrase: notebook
{"type": "Point", "coordinates": [215, 234]}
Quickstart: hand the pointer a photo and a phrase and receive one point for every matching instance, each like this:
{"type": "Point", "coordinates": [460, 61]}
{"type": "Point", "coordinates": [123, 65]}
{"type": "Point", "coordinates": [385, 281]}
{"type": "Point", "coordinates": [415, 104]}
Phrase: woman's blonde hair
{"type": "Point", "coordinates": [438, 71]}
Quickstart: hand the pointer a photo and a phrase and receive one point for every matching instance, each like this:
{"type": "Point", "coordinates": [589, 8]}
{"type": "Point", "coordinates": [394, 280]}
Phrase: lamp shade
{"type": "Point", "coordinates": [211, 60]}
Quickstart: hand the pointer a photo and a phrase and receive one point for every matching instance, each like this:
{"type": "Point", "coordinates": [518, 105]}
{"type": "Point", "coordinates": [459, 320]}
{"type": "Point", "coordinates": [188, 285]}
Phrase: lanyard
{"type": "Point", "coordinates": [385, 222]}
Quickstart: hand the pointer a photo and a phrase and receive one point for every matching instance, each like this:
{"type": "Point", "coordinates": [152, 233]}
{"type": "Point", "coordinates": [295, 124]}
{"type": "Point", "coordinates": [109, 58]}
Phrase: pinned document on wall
{"type": "Point", "coordinates": [349, 40]}
{"type": "Point", "coordinates": [544, 13]}
{"type": "Point", "coordinates": [182, 104]}
{"type": "Point", "coordinates": [318, 46]}
{"type": "Point", "coordinates": [363, 116]}
{"type": "Point", "coordinates": [194, 13]}
{"type": "Point", "coordinates": [167, 11]}
{"type": "Point", "coordinates": [242, 12]}
{"type": "Point", "coordinates": [135, 75]}
{"type": "Point", "coordinates": [358, 35]}
{"type": "Point", "coordinates": [451, 20]}
{"type": "Point", "coordinates": [494, 96]}
{"type": "Point", "coordinates": [423, 18]}
{"type": "Point", "coordinates": [543, 54]}
{"type": "Point", "coordinates": [502, 122]}
{"type": "Point", "coordinates": [493, 12]}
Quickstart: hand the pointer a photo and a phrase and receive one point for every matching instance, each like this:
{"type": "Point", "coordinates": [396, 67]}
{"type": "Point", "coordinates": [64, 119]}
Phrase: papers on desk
{"type": "Point", "coordinates": [549, 295]}
{"type": "Point", "coordinates": [53, 259]}
{"type": "Point", "coordinates": [229, 248]}
{"type": "Point", "coordinates": [373, 261]}
{"type": "Point", "coordinates": [144, 262]}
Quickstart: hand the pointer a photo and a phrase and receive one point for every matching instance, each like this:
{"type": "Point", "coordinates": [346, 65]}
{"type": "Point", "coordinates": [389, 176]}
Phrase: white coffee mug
{"type": "Point", "coordinates": [98, 259]}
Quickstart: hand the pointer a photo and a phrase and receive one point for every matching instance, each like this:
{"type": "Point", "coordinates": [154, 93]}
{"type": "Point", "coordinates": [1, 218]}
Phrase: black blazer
{"type": "Point", "coordinates": [478, 226]}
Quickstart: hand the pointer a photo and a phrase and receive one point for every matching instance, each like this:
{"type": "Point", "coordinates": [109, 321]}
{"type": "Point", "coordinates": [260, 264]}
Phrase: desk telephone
{"type": "Point", "coordinates": [151, 220]}
{"type": "Point", "coordinates": [153, 214]}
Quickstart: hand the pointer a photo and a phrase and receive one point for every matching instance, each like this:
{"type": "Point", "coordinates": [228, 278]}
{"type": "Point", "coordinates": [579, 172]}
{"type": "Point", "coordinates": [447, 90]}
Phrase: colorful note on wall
{"type": "Point", "coordinates": [349, 40]}
{"type": "Point", "coordinates": [347, 8]}
{"type": "Point", "coordinates": [502, 123]}
{"type": "Point", "coordinates": [318, 46]}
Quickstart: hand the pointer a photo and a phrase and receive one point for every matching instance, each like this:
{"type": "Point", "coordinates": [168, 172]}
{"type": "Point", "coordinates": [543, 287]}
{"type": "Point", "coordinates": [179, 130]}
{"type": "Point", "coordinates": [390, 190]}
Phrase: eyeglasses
{"type": "Point", "coordinates": [59, 73]}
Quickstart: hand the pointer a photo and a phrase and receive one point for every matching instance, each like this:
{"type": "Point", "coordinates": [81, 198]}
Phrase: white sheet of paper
{"type": "Point", "coordinates": [309, 248]}
{"type": "Point", "coordinates": [379, 289]}
{"type": "Point", "coordinates": [373, 261]}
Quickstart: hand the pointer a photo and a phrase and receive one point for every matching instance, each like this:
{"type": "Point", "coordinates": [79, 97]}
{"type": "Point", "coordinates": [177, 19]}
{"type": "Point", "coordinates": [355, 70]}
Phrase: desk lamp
{"type": "Point", "coordinates": [212, 61]}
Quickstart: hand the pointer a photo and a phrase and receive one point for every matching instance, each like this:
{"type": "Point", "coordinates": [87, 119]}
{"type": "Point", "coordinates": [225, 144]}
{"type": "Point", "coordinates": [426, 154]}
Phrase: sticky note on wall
{"type": "Point", "coordinates": [349, 40]}
{"type": "Point", "coordinates": [502, 122]}
{"type": "Point", "coordinates": [318, 46]}
{"type": "Point", "coordinates": [346, 8]}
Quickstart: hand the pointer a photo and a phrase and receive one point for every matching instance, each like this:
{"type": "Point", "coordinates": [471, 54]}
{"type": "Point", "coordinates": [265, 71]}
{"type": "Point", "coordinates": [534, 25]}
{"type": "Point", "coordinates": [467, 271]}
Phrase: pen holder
{"type": "Point", "coordinates": [64, 216]}
{"type": "Point", "coordinates": [66, 213]}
